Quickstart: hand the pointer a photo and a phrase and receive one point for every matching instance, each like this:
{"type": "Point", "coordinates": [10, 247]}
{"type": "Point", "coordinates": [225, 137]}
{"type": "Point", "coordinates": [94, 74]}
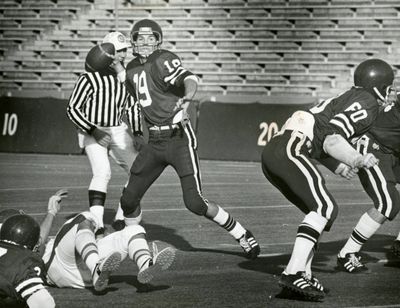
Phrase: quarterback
{"type": "Point", "coordinates": [164, 89]}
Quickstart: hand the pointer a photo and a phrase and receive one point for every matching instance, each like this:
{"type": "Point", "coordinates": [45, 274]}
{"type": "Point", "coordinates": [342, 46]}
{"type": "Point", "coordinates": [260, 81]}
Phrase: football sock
{"type": "Point", "coordinates": [85, 244]}
{"type": "Point", "coordinates": [226, 221]}
{"type": "Point", "coordinates": [96, 204]}
{"type": "Point", "coordinates": [307, 236]}
{"type": "Point", "coordinates": [139, 251]}
{"type": "Point", "coordinates": [365, 228]}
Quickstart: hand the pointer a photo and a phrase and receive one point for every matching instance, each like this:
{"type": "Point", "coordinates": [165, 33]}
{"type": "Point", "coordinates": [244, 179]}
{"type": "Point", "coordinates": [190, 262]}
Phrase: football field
{"type": "Point", "coordinates": [210, 269]}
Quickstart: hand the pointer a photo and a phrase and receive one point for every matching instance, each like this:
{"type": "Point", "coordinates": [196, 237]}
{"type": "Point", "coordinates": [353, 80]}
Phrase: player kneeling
{"type": "Point", "coordinates": [75, 259]}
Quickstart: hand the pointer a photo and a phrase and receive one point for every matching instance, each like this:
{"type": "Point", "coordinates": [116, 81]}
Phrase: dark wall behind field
{"type": "Point", "coordinates": [225, 131]}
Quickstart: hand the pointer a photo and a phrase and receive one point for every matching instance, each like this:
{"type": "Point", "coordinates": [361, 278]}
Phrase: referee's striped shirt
{"type": "Point", "coordinates": [102, 100]}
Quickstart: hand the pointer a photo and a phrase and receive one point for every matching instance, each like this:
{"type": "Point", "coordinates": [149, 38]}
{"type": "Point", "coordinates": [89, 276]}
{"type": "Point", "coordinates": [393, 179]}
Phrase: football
{"type": "Point", "coordinates": [99, 57]}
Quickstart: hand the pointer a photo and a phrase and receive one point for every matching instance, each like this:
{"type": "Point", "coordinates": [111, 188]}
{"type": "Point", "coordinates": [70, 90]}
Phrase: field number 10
{"type": "Point", "coordinates": [267, 132]}
{"type": "Point", "coordinates": [10, 124]}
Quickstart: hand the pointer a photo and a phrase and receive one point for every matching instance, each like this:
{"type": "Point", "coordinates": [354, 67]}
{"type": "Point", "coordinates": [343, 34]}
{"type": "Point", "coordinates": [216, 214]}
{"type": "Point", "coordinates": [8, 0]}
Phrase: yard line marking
{"type": "Point", "coordinates": [119, 186]}
{"type": "Point", "coordinates": [383, 306]}
{"type": "Point", "coordinates": [257, 207]}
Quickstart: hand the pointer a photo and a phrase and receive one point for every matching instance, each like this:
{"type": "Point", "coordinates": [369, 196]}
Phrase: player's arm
{"type": "Point", "coordinates": [52, 209]}
{"type": "Point", "coordinates": [76, 104]}
{"type": "Point", "coordinates": [41, 299]}
{"type": "Point", "coordinates": [338, 167]}
{"type": "Point", "coordinates": [338, 147]}
{"type": "Point", "coordinates": [134, 115]}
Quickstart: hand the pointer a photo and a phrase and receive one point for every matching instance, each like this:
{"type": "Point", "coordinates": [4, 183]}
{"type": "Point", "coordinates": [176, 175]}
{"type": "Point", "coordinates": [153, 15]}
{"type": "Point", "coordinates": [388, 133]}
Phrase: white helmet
{"type": "Point", "coordinates": [117, 39]}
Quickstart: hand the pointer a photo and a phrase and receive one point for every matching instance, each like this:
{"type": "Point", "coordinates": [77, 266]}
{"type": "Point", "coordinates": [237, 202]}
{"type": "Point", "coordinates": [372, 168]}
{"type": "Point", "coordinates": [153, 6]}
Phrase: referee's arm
{"type": "Point", "coordinates": [77, 102]}
{"type": "Point", "coordinates": [134, 116]}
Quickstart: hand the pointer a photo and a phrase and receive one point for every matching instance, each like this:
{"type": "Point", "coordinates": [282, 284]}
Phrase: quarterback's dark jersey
{"type": "Point", "coordinates": [350, 114]}
{"type": "Point", "coordinates": [21, 272]}
{"type": "Point", "coordinates": [386, 130]}
{"type": "Point", "coordinates": [157, 85]}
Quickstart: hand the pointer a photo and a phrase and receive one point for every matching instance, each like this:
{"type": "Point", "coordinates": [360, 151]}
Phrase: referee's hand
{"type": "Point", "coordinates": [101, 137]}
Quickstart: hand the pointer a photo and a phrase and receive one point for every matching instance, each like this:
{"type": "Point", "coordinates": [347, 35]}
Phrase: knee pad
{"type": "Point", "coordinates": [195, 203]}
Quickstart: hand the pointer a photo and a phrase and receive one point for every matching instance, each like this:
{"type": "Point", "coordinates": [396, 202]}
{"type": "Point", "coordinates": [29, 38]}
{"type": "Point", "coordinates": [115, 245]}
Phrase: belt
{"type": "Point", "coordinates": [166, 127]}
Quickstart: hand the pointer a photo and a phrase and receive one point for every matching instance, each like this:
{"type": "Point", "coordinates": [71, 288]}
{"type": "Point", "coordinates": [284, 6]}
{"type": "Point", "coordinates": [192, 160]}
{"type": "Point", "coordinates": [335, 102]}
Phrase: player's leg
{"type": "Point", "coordinates": [124, 153]}
{"type": "Point", "coordinates": [380, 184]}
{"type": "Point", "coordinates": [286, 165]}
{"type": "Point", "coordinates": [131, 242]}
{"type": "Point", "coordinates": [101, 170]}
{"type": "Point", "coordinates": [146, 168]}
{"type": "Point", "coordinates": [184, 159]}
{"type": "Point", "coordinates": [73, 260]}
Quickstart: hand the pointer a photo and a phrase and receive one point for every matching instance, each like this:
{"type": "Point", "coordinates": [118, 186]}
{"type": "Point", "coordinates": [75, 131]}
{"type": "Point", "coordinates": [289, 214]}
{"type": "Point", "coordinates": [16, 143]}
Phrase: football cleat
{"type": "Point", "coordinates": [351, 263]}
{"type": "Point", "coordinates": [161, 261]}
{"type": "Point", "coordinates": [249, 245]}
{"type": "Point", "coordinates": [103, 270]}
{"type": "Point", "coordinates": [396, 248]}
{"type": "Point", "coordinates": [301, 285]}
{"type": "Point", "coordinates": [317, 284]}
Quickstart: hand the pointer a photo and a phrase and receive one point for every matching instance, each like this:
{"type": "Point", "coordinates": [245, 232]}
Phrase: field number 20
{"type": "Point", "coordinates": [267, 132]}
{"type": "Point", "coordinates": [10, 124]}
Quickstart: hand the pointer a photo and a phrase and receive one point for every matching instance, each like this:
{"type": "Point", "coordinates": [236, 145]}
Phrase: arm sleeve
{"type": "Point", "coordinates": [41, 299]}
{"type": "Point", "coordinates": [171, 72]}
{"type": "Point", "coordinates": [76, 104]}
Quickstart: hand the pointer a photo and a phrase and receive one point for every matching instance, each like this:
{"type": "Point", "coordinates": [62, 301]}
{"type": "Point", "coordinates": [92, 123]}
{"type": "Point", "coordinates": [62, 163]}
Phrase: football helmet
{"type": "Point", "coordinates": [21, 229]}
{"type": "Point", "coordinates": [376, 76]}
{"type": "Point", "coordinates": [146, 27]}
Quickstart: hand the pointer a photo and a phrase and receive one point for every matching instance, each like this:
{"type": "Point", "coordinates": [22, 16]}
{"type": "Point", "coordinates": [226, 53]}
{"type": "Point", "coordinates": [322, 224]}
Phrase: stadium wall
{"type": "Point", "coordinates": [226, 130]}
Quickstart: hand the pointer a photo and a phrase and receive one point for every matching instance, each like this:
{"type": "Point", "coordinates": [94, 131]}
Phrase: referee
{"type": "Point", "coordinates": [97, 106]}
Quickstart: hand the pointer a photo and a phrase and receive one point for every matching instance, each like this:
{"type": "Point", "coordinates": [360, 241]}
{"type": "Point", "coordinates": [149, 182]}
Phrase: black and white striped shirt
{"type": "Point", "coordinates": [102, 100]}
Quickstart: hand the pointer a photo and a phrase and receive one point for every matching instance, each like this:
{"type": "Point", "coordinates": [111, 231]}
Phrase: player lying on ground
{"type": "Point", "coordinates": [75, 259]}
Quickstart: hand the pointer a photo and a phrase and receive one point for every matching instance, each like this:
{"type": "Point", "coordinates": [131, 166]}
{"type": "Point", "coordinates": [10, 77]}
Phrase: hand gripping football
{"type": "Point", "coordinates": [99, 57]}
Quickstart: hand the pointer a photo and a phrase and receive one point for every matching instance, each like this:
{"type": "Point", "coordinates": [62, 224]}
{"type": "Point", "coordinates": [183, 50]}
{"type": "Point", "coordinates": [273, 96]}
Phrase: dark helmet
{"type": "Point", "coordinates": [376, 76]}
{"type": "Point", "coordinates": [146, 26]}
{"type": "Point", "coordinates": [4, 214]}
{"type": "Point", "coordinates": [21, 229]}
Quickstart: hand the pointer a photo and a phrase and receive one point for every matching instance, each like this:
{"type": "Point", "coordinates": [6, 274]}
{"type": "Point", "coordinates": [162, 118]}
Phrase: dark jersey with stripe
{"type": "Point", "coordinates": [157, 85]}
{"type": "Point", "coordinates": [386, 130]}
{"type": "Point", "coordinates": [22, 272]}
{"type": "Point", "coordinates": [350, 115]}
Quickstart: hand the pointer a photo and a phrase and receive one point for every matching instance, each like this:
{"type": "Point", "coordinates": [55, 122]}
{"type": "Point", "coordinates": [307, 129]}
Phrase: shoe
{"type": "Point", "coordinates": [317, 284]}
{"type": "Point", "coordinates": [118, 224]}
{"type": "Point", "coordinates": [351, 263]}
{"type": "Point", "coordinates": [100, 233]}
{"type": "Point", "coordinates": [396, 248]}
{"type": "Point", "coordinates": [301, 285]}
{"type": "Point", "coordinates": [249, 245]}
{"type": "Point", "coordinates": [161, 261]}
{"type": "Point", "coordinates": [103, 270]}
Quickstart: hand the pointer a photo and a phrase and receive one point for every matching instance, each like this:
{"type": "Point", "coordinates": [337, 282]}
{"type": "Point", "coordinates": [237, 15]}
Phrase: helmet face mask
{"type": "Point", "coordinates": [146, 37]}
{"type": "Point", "coordinates": [376, 76]}
{"type": "Point", "coordinates": [22, 230]}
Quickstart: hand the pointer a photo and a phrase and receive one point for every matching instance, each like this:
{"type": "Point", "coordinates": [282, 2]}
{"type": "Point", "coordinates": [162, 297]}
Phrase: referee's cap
{"type": "Point", "coordinates": [117, 39]}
